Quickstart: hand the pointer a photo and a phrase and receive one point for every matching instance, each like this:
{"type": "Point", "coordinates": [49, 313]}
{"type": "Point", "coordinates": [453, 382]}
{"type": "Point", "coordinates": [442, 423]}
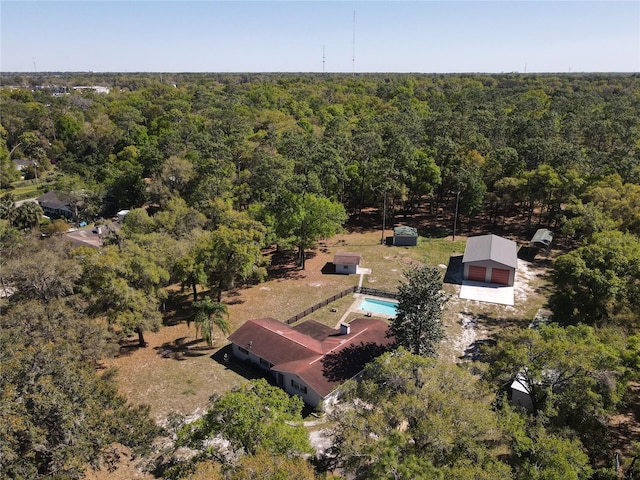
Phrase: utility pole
{"type": "Point", "coordinates": [455, 218]}
{"type": "Point", "coordinates": [384, 215]}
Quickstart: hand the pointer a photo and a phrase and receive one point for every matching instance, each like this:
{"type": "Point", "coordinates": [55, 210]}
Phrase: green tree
{"type": "Point", "coordinates": [210, 314]}
{"type": "Point", "coordinates": [59, 416]}
{"type": "Point", "coordinates": [537, 453]}
{"type": "Point", "coordinates": [10, 242]}
{"type": "Point", "coordinates": [228, 254]}
{"type": "Point", "coordinates": [409, 413]}
{"type": "Point", "coordinates": [126, 285]}
{"type": "Point", "coordinates": [8, 208]}
{"type": "Point", "coordinates": [302, 220]}
{"type": "Point", "coordinates": [586, 219]}
{"type": "Point", "coordinates": [573, 378]}
{"type": "Point", "coordinates": [267, 466]}
{"type": "Point", "coordinates": [28, 215]}
{"type": "Point", "coordinates": [599, 283]}
{"type": "Point", "coordinates": [253, 417]}
{"type": "Point", "coordinates": [43, 271]}
{"type": "Point", "coordinates": [187, 266]}
{"type": "Point", "coordinates": [418, 324]}
{"type": "Point", "coordinates": [8, 172]}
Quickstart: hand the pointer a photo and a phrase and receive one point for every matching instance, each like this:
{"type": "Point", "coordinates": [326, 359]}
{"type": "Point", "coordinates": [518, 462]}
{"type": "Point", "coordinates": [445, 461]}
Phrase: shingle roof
{"type": "Point", "coordinates": [305, 350]}
{"type": "Point", "coordinates": [51, 200]}
{"type": "Point", "coordinates": [347, 258]}
{"type": "Point", "coordinates": [491, 247]}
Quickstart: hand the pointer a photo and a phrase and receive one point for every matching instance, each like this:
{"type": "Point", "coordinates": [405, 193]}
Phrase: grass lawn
{"type": "Point", "coordinates": [177, 373]}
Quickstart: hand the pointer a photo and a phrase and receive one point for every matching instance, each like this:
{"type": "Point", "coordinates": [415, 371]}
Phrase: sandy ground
{"type": "Point", "coordinates": [477, 321]}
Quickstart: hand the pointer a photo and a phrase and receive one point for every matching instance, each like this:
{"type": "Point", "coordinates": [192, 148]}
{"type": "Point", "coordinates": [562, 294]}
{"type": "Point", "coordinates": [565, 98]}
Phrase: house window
{"type": "Point", "coordinates": [297, 386]}
{"type": "Point", "coordinates": [345, 267]}
{"type": "Point", "coordinates": [244, 350]}
{"type": "Point", "coordinates": [264, 363]}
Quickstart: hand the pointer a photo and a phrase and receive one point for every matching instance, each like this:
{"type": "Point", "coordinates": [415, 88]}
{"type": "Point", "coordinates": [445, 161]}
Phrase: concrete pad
{"type": "Point", "coordinates": [487, 292]}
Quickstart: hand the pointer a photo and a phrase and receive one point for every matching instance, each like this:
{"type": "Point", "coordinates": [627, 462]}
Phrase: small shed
{"type": "Point", "coordinates": [520, 395]}
{"type": "Point", "coordinates": [121, 214]}
{"type": "Point", "coordinates": [347, 262]}
{"type": "Point", "coordinates": [542, 239]}
{"type": "Point", "coordinates": [404, 236]}
{"type": "Point", "coordinates": [490, 259]}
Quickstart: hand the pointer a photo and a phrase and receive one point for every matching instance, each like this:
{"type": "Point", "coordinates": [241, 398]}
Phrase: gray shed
{"type": "Point", "coordinates": [405, 236]}
{"type": "Point", "coordinates": [490, 259]}
{"type": "Point", "coordinates": [542, 239]}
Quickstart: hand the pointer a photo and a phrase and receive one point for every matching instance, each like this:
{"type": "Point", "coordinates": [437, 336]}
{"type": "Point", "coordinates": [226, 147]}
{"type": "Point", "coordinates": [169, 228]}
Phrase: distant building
{"type": "Point", "coordinates": [542, 239]}
{"type": "Point", "coordinates": [405, 236]}
{"type": "Point", "coordinates": [95, 88]}
{"type": "Point", "coordinates": [54, 206]}
{"type": "Point", "coordinates": [347, 262]}
{"type": "Point", "coordinates": [310, 360]}
{"type": "Point", "coordinates": [490, 259]}
{"type": "Point", "coordinates": [121, 214]}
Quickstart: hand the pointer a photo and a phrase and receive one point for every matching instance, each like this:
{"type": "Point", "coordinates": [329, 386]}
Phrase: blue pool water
{"type": "Point", "coordinates": [379, 306]}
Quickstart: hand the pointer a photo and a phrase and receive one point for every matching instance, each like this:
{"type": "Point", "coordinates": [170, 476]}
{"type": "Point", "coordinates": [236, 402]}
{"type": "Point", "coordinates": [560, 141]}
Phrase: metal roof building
{"type": "Point", "coordinates": [490, 259]}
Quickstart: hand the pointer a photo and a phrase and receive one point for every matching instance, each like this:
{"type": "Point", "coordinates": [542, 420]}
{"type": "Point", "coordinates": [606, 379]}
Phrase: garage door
{"type": "Point", "coordinates": [498, 275]}
{"type": "Point", "coordinates": [477, 274]}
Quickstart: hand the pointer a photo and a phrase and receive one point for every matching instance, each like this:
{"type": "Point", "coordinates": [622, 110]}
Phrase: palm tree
{"type": "Point", "coordinates": [28, 215]}
{"type": "Point", "coordinates": [8, 208]}
{"type": "Point", "coordinates": [210, 313]}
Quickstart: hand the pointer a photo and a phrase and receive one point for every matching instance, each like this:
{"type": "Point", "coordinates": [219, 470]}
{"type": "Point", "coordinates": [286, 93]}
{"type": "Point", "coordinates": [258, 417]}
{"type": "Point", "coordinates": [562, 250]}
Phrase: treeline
{"type": "Point", "coordinates": [504, 140]}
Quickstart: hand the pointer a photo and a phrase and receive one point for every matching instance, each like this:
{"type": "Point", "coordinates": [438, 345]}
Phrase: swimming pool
{"type": "Point", "coordinates": [382, 307]}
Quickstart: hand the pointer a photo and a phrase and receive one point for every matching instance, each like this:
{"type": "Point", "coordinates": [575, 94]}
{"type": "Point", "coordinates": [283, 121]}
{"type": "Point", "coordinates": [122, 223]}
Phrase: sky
{"type": "Point", "coordinates": [443, 36]}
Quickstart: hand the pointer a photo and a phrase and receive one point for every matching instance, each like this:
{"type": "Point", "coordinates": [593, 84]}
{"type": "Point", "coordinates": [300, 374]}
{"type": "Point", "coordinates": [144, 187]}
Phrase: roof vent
{"type": "Point", "coordinates": [345, 329]}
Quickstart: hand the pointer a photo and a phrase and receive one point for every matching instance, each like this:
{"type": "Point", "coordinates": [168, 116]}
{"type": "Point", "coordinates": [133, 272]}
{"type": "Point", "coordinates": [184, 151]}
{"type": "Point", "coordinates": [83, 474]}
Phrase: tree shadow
{"type": "Point", "coordinates": [128, 346]}
{"type": "Point", "coordinates": [178, 308]}
{"type": "Point", "coordinates": [474, 352]}
{"type": "Point", "coordinates": [455, 270]}
{"type": "Point", "coordinates": [234, 295]}
{"type": "Point", "coordinates": [283, 265]}
{"type": "Point", "coordinates": [180, 349]}
{"type": "Point", "coordinates": [348, 362]}
{"type": "Point", "coordinates": [224, 356]}
{"type": "Point", "coordinates": [499, 324]}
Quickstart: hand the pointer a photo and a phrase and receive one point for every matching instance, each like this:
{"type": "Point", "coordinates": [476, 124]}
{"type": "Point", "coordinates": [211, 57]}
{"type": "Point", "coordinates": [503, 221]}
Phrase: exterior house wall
{"type": "Point", "coordinates": [402, 241]}
{"type": "Point", "coordinates": [244, 354]}
{"type": "Point", "coordinates": [56, 212]}
{"type": "Point", "coordinates": [346, 269]}
{"type": "Point", "coordinates": [311, 397]}
{"type": "Point", "coordinates": [489, 265]}
{"type": "Point", "coordinates": [283, 379]}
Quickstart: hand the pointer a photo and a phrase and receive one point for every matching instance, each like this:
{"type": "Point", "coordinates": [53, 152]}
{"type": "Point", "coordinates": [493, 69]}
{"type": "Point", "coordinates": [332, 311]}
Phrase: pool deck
{"type": "Point", "coordinates": [355, 308]}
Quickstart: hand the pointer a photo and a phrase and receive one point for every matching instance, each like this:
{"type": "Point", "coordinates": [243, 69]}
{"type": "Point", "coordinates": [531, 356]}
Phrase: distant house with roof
{"type": "Point", "coordinates": [404, 236]}
{"type": "Point", "coordinates": [542, 239]}
{"type": "Point", "coordinates": [490, 259]}
{"type": "Point", "coordinates": [310, 360]}
{"type": "Point", "coordinates": [347, 262]}
{"type": "Point", "coordinates": [56, 205]}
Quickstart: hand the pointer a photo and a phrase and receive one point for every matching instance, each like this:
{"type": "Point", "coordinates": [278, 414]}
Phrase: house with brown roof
{"type": "Point", "coordinates": [347, 262]}
{"type": "Point", "coordinates": [310, 360]}
{"type": "Point", "coordinates": [490, 259]}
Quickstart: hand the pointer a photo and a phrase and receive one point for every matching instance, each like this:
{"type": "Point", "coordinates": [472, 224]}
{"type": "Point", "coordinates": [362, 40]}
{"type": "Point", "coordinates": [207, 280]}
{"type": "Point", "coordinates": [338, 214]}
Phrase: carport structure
{"type": "Point", "coordinates": [490, 259]}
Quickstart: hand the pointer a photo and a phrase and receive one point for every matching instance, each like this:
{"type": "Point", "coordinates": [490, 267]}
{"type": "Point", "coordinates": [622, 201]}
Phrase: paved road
{"type": "Point", "coordinates": [20, 202]}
